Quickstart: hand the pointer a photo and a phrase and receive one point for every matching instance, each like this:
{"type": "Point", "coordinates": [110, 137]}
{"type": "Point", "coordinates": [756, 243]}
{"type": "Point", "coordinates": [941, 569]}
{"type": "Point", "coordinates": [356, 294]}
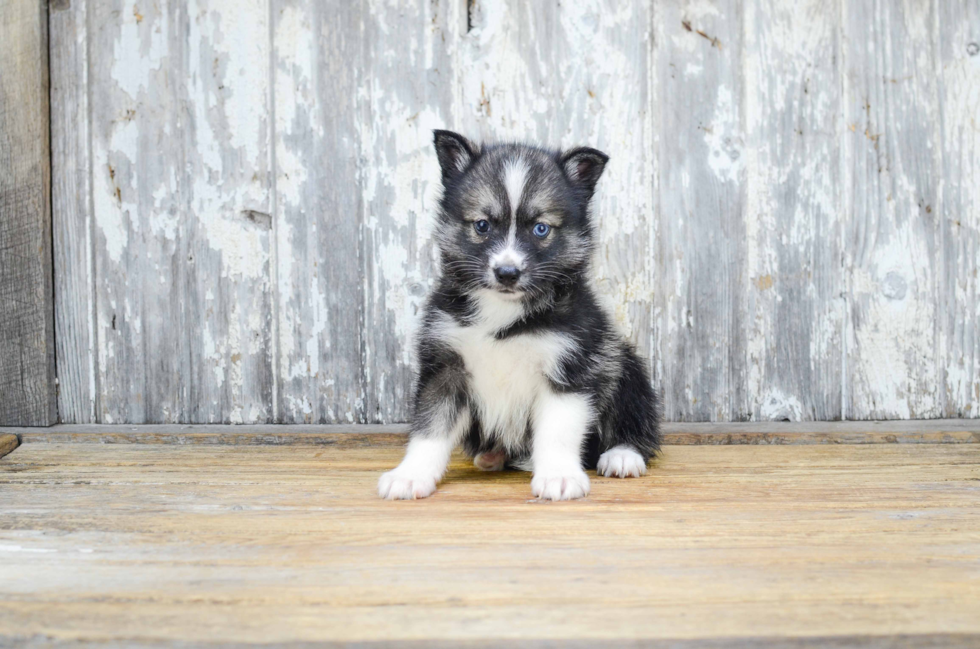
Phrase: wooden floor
{"type": "Point", "coordinates": [719, 546]}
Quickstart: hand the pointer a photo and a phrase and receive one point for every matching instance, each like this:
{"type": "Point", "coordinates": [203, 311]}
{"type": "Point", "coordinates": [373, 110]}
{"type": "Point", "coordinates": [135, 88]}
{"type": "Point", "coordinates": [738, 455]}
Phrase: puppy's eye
{"type": "Point", "coordinates": [541, 230]}
{"type": "Point", "coordinates": [482, 226]}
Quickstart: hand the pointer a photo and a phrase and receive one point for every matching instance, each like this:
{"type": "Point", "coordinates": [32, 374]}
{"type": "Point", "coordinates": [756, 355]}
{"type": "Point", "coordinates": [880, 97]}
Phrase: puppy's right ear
{"type": "Point", "coordinates": [455, 153]}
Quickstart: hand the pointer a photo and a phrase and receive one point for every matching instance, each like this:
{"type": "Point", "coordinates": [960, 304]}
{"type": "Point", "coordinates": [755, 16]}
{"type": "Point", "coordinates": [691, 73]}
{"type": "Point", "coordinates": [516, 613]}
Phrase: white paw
{"type": "Point", "coordinates": [621, 462]}
{"type": "Point", "coordinates": [490, 461]}
{"type": "Point", "coordinates": [397, 485]}
{"type": "Point", "coordinates": [568, 485]}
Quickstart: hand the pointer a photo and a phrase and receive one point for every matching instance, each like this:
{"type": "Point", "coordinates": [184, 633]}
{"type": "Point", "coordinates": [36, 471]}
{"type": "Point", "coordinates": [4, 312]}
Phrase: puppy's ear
{"type": "Point", "coordinates": [583, 166]}
{"type": "Point", "coordinates": [455, 153]}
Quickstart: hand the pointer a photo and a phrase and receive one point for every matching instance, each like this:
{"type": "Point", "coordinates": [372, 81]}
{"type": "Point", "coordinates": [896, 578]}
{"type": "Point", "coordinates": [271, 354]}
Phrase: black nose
{"type": "Point", "coordinates": [507, 275]}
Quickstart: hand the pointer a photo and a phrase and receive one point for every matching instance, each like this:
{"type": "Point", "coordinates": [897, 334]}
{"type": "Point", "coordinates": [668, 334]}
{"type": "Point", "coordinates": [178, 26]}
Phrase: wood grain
{"type": "Point", "coordinates": [71, 206]}
{"type": "Point", "coordinates": [167, 544]}
{"type": "Point", "coordinates": [317, 64]}
{"type": "Point", "coordinates": [959, 301]}
{"type": "Point", "coordinates": [894, 249]}
{"type": "Point", "coordinates": [28, 394]}
{"type": "Point", "coordinates": [793, 212]}
{"type": "Point", "coordinates": [701, 247]}
{"type": "Point", "coordinates": [244, 193]}
{"type": "Point", "coordinates": [408, 90]}
{"type": "Point", "coordinates": [951, 431]}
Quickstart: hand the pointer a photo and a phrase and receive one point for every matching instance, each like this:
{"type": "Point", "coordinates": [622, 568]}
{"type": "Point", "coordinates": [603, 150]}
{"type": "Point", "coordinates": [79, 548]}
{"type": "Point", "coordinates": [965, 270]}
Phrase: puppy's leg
{"type": "Point", "coordinates": [560, 424]}
{"type": "Point", "coordinates": [635, 434]}
{"type": "Point", "coordinates": [621, 461]}
{"type": "Point", "coordinates": [425, 459]}
{"type": "Point", "coordinates": [491, 460]}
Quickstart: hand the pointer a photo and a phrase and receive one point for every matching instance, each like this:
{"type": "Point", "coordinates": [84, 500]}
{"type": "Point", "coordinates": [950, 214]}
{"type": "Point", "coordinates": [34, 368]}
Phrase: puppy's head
{"type": "Point", "coordinates": [514, 218]}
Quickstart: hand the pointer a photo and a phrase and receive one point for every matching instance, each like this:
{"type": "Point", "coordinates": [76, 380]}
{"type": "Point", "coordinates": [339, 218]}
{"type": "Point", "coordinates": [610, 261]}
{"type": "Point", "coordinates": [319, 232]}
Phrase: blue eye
{"type": "Point", "coordinates": [482, 226]}
{"type": "Point", "coordinates": [541, 230]}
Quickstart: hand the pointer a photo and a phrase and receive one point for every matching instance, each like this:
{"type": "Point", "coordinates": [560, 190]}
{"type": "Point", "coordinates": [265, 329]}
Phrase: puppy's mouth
{"type": "Point", "coordinates": [512, 292]}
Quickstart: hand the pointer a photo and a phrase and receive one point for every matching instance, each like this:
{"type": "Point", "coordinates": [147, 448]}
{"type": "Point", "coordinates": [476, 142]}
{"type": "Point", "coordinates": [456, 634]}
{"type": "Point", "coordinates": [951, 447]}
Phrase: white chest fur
{"type": "Point", "coordinates": [506, 376]}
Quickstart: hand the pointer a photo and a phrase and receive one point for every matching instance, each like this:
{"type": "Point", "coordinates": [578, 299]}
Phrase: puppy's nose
{"type": "Point", "coordinates": [507, 275]}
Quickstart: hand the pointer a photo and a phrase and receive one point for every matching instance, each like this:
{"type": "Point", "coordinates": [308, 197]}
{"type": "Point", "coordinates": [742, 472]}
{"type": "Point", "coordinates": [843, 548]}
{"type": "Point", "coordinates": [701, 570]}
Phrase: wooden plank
{"type": "Point", "coordinates": [893, 240]}
{"type": "Point", "coordinates": [27, 370]}
{"type": "Point", "coordinates": [8, 443]}
{"type": "Point", "coordinates": [959, 97]}
{"type": "Point", "coordinates": [700, 238]}
{"type": "Point", "coordinates": [901, 641]}
{"type": "Point", "coordinates": [407, 90]}
{"type": "Point", "coordinates": [181, 195]}
{"type": "Point", "coordinates": [163, 544]}
{"type": "Point", "coordinates": [569, 74]}
{"type": "Point", "coordinates": [949, 431]}
{"type": "Point", "coordinates": [318, 64]}
{"type": "Point", "coordinates": [71, 213]}
{"type": "Point", "coordinates": [139, 215]}
{"type": "Point", "coordinates": [793, 211]}
{"type": "Point", "coordinates": [224, 102]}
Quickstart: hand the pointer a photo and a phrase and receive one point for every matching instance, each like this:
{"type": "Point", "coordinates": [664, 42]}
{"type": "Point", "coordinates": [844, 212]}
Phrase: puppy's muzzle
{"type": "Point", "coordinates": [507, 275]}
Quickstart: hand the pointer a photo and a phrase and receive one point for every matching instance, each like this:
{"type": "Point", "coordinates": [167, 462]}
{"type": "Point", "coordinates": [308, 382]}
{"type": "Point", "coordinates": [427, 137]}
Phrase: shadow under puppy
{"type": "Point", "coordinates": [518, 362]}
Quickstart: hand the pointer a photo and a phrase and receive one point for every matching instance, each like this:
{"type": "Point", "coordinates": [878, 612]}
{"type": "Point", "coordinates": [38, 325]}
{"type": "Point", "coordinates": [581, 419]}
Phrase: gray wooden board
{"type": "Point", "coordinates": [793, 220]}
{"type": "Point", "coordinates": [27, 356]}
{"type": "Point", "coordinates": [942, 431]}
{"type": "Point", "coordinates": [893, 248]}
{"type": "Point", "coordinates": [71, 213]}
{"type": "Point", "coordinates": [701, 245]}
{"type": "Point", "coordinates": [959, 300]}
{"type": "Point", "coordinates": [316, 62]}
{"type": "Point", "coordinates": [789, 225]}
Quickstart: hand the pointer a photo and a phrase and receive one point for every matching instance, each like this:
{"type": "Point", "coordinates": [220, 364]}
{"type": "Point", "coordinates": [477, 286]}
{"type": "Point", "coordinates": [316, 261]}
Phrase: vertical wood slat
{"type": "Point", "coordinates": [893, 242]}
{"type": "Point", "coordinates": [406, 91]}
{"type": "Point", "coordinates": [700, 250]}
{"type": "Point", "coordinates": [179, 127]}
{"type": "Point", "coordinates": [793, 275]}
{"type": "Point", "coordinates": [71, 213]}
{"type": "Point", "coordinates": [28, 395]}
{"type": "Point", "coordinates": [227, 294]}
{"type": "Point", "coordinates": [958, 32]}
{"type": "Point", "coordinates": [317, 61]}
{"type": "Point", "coordinates": [722, 230]}
{"type": "Point", "coordinates": [136, 166]}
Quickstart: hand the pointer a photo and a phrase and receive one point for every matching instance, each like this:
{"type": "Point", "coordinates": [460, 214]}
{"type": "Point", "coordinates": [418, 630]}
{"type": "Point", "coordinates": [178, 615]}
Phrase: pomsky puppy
{"type": "Point", "coordinates": [517, 361]}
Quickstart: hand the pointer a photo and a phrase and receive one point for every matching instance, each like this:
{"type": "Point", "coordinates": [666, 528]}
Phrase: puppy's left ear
{"type": "Point", "coordinates": [455, 153]}
{"type": "Point", "coordinates": [583, 166]}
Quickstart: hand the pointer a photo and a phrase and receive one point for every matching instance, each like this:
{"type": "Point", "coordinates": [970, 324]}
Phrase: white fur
{"type": "Point", "coordinates": [515, 177]}
{"type": "Point", "coordinates": [561, 422]}
{"type": "Point", "coordinates": [424, 464]}
{"type": "Point", "coordinates": [621, 462]}
{"type": "Point", "coordinates": [506, 376]}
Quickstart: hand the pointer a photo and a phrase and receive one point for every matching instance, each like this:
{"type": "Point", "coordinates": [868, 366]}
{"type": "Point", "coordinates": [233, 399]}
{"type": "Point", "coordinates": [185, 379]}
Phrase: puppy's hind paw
{"type": "Point", "coordinates": [554, 486]}
{"type": "Point", "coordinates": [621, 462]}
{"type": "Point", "coordinates": [399, 486]}
{"type": "Point", "coordinates": [490, 461]}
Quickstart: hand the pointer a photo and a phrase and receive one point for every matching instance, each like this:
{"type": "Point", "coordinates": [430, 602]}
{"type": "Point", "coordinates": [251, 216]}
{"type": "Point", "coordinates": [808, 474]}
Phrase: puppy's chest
{"type": "Point", "coordinates": [506, 376]}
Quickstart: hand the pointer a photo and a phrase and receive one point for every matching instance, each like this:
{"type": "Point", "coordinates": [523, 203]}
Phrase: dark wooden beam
{"type": "Point", "coordinates": [28, 394]}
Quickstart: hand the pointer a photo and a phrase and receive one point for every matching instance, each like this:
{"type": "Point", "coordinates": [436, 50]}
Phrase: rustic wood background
{"type": "Point", "coordinates": [243, 196]}
{"type": "Point", "coordinates": [28, 395]}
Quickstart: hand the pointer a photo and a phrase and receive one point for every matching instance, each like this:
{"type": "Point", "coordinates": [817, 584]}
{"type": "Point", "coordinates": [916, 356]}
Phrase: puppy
{"type": "Point", "coordinates": [517, 361]}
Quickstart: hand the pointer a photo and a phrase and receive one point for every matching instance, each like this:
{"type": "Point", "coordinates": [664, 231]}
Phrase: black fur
{"type": "Point", "coordinates": [556, 296]}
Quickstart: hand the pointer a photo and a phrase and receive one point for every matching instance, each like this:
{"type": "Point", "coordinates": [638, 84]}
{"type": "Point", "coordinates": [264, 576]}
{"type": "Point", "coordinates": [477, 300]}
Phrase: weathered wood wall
{"type": "Point", "coordinates": [28, 394]}
{"type": "Point", "coordinates": [244, 195]}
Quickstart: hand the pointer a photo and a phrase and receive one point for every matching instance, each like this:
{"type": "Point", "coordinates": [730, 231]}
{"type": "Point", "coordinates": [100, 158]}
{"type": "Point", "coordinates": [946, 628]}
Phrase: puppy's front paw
{"type": "Point", "coordinates": [567, 485]}
{"type": "Point", "coordinates": [396, 485]}
{"type": "Point", "coordinates": [621, 462]}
